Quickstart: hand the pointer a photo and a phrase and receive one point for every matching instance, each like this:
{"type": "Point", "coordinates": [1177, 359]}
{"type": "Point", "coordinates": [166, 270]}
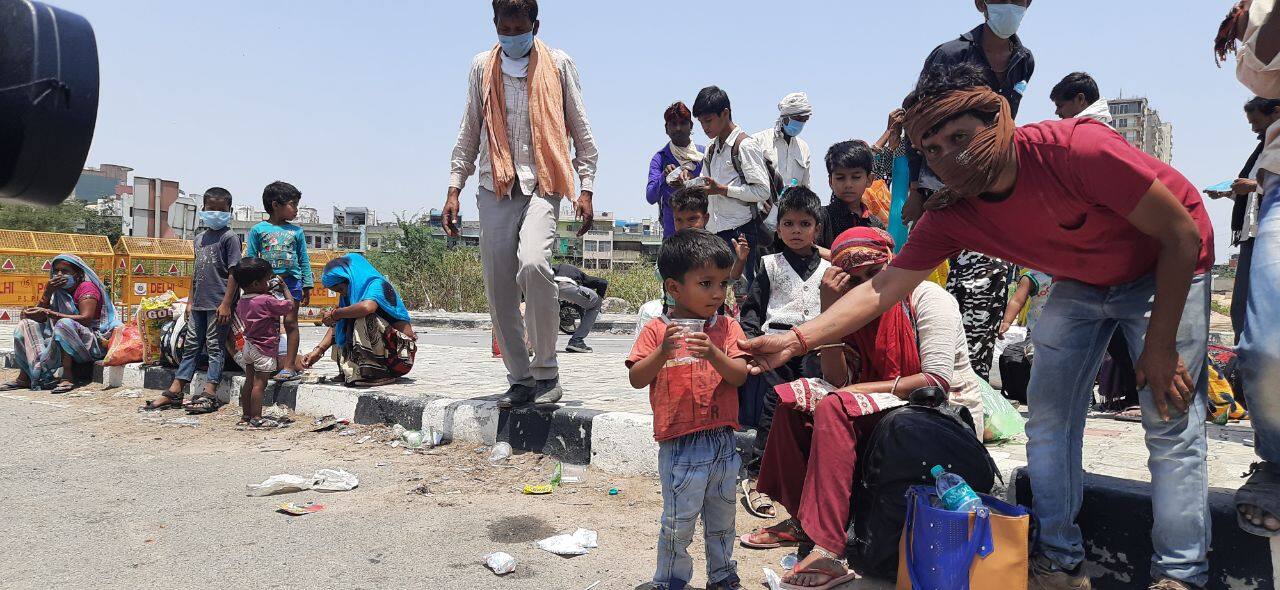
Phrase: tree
{"type": "Point", "coordinates": [69, 216]}
{"type": "Point", "coordinates": [66, 217]}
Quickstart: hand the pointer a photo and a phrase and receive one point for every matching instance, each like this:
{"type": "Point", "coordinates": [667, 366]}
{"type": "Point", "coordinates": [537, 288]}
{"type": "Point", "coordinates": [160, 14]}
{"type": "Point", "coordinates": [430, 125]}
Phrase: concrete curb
{"type": "Point", "coordinates": [1116, 521]}
{"type": "Point", "coordinates": [565, 433]}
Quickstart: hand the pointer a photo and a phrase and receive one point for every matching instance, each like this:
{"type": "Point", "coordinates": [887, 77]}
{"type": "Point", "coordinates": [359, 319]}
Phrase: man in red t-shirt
{"type": "Point", "coordinates": [1128, 242]}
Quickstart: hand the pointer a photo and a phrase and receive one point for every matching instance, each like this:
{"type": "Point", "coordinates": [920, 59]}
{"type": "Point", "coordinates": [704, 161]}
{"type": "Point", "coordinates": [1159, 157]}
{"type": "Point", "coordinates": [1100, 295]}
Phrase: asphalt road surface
{"type": "Point", "coordinates": [97, 495]}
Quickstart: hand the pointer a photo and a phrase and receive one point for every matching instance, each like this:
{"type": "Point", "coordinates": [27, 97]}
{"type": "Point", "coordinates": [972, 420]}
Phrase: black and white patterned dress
{"type": "Point", "coordinates": [980, 284]}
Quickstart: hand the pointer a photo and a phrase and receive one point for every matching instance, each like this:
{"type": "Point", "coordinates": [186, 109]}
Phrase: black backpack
{"type": "Point", "coordinates": [901, 450]}
{"type": "Point", "coordinates": [1015, 371]}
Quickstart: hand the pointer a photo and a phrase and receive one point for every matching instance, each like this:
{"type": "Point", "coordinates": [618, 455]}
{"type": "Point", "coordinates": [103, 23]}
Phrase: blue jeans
{"type": "Point", "coordinates": [1260, 343]}
{"type": "Point", "coordinates": [699, 472]}
{"type": "Point", "coordinates": [1070, 338]}
{"type": "Point", "coordinates": [204, 335]}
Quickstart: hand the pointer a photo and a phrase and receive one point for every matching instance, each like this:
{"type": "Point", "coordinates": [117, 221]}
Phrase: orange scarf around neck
{"type": "Point", "coordinates": [546, 117]}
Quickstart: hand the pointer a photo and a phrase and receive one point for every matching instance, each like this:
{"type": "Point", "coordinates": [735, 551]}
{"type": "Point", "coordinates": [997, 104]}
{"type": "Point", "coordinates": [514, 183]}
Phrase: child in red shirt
{"type": "Point", "coordinates": [693, 379]}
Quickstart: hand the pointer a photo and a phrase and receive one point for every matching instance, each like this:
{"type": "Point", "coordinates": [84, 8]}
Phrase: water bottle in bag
{"type": "Point", "coordinates": [955, 493]}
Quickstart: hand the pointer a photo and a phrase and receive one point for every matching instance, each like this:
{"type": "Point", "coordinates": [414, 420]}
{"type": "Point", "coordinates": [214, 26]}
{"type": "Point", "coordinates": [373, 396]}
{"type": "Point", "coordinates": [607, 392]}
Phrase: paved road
{"type": "Point", "coordinates": [99, 496]}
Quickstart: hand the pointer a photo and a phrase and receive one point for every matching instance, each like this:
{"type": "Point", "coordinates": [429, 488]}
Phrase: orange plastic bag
{"type": "Point", "coordinates": [124, 347]}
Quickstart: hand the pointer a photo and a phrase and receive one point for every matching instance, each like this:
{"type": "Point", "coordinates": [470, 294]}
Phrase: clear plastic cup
{"type": "Point", "coordinates": [681, 354]}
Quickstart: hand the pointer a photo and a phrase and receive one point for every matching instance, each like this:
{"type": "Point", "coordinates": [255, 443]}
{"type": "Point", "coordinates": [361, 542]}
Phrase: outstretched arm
{"type": "Point", "coordinates": [854, 310]}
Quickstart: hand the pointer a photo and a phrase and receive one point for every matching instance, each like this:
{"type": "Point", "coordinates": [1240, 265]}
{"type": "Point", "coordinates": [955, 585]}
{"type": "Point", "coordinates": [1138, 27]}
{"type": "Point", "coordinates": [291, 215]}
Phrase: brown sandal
{"type": "Point", "coordinates": [835, 578]}
{"type": "Point", "coordinates": [787, 534]}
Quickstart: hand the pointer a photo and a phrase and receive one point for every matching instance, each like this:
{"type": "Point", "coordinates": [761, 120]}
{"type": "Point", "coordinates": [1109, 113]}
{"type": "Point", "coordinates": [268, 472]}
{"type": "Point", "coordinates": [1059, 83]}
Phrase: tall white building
{"type": "Point", "coordinates": [1142, 127]}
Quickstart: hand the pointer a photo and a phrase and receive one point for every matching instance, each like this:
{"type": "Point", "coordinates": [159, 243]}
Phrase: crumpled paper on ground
{"type": "Point", "coordinates": [323, 480]}
{"type": "Point", "coordinates": [581, 542]}
{"type": "Point", "coordinates": [501, 563]}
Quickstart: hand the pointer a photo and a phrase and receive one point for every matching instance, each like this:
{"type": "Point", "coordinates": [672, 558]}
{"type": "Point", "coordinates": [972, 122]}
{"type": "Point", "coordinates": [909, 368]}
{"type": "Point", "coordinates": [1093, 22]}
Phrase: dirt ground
{"type": "Point", "coordinates": [154, 488]}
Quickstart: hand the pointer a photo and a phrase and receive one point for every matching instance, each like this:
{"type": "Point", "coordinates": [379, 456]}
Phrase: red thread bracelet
{"type": "Point", "coordinates": [804, 344]}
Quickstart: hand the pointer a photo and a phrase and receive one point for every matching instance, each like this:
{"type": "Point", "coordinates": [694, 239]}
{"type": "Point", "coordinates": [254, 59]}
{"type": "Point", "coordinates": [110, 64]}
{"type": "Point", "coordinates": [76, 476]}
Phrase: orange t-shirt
{"type": "Point", "coordinates": [690, 397]}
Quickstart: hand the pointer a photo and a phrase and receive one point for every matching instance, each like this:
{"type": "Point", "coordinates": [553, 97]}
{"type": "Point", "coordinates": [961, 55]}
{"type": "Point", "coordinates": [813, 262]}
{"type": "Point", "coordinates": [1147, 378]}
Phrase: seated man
{"type": "Point", "coordinates": [586, 292]}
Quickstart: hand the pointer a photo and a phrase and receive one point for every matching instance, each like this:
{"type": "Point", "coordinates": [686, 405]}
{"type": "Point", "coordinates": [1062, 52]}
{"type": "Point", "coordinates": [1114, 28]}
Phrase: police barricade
{"type": "Point", "coordinates": [146, 267]}
{"type": "Point", "coordinates": [26, 257]}
{"type": "Point", "coordinates": [321, 297]}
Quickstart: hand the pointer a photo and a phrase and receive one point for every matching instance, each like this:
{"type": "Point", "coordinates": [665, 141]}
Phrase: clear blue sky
{"type": "Point", "coordinates": [359, 103]}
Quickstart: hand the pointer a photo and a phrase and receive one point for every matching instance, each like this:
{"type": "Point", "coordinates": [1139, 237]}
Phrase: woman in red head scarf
{"type": "Point", "coordinates": [809, 462]}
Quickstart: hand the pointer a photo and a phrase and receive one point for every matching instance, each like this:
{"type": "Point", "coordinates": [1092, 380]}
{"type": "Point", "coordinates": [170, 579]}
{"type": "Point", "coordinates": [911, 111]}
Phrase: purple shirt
{"type": "Point", "coordinates": [261, 315]}
{"type": "Point", "coordinates": [659, 192]}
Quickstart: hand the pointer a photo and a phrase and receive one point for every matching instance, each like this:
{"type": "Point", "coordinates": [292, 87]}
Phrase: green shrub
{"type": "Point", "coordinates": [429, 275]}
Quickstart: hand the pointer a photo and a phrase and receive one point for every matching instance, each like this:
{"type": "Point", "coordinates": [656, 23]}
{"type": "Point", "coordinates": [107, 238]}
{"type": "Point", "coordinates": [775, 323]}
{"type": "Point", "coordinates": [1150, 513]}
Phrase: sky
{"type": "Point", "coordinates": [359, 103]}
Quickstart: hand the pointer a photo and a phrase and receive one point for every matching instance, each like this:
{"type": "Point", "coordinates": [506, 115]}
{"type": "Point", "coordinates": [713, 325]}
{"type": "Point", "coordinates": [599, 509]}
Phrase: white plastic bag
{"type": "Point", "coordinates": [323, 480]}
{"type": "Point", "coordinates": [581, 542]}
{"type": "Point", "coordinates": [772, 579]}
{"type": "Point", "coordinates": [334, 480]}
{"type": "Point", "coordinates": [501, 563]}
{"type": "Point", "coordinates": [281, 484]}
{"type": "Point", "coordinates": [648, 311]}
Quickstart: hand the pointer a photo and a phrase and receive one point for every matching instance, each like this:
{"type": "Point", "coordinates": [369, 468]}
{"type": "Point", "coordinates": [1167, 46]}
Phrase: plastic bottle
{"type": "Point", "coordinates": [955, 493]}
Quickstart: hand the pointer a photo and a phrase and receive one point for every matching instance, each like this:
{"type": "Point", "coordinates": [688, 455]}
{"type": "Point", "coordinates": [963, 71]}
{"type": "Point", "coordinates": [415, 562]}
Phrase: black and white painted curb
{"type": "Point", "coordinates": [616, 442]}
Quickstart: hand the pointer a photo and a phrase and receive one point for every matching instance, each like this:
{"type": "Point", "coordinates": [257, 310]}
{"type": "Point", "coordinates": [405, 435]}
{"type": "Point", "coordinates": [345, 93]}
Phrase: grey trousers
{"type": "Point", "coordinates": [516, 237]}
{"type": "Point", "coordinates": [590, 303]}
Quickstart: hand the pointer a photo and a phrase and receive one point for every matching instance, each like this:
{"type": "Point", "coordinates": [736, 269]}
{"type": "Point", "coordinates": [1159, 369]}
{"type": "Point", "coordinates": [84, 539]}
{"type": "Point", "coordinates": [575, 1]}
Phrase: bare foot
{"type": "Point", "coordinates": [1260, 517]}
{"type": "Point", "coordinates": [815, 570]}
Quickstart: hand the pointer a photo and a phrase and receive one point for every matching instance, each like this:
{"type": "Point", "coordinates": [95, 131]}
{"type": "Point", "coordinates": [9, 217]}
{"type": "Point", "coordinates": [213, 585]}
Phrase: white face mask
{"type": "Point", "coordinates": [1003, 19]}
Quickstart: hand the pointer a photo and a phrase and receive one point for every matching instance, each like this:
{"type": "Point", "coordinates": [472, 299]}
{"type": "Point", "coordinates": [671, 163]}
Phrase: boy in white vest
{"type": "Point", "coordinates": [784, 294]}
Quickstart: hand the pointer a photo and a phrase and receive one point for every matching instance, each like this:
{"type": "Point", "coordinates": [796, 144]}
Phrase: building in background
{"type": "Point", "coordinates": [611, 242]}
{"type": "Point", "coordinates": [348, 232]}
{"type": "Point", "coordinates": [307, 215]}
{"type": "Point", "coordinates": [145, 213]}
{"type": "Point", "coordinates": [354, 216]}
{"type": "Point", "coordinates": [1142, 127]}
{"type": "Point", "coordinates": [106, 180]}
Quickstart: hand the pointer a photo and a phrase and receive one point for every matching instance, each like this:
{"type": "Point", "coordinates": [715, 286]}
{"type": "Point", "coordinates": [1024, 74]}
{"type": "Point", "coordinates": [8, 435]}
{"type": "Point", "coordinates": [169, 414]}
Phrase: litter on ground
{"type": "Point", "coordinates": [501, 563]}
{"type": "Point", "coordinates": [581, 542]}
{"type": "Point", "coordinates": [323, 480]}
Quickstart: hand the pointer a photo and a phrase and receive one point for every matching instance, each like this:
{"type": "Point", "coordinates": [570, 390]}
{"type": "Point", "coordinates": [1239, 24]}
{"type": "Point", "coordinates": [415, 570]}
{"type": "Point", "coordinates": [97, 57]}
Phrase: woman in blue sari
{"type": "Point", "coordinates": [372, 339]}
{"type": "Point", "coordinates": [67, 329]}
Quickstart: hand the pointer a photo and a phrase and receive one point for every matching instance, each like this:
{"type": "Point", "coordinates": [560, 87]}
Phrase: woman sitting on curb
{"type": "Point", "coordinates": [67, 329]}
{"type": "Point", "coordinates": [810, 461]}
{"type": "Point", "coordinates": [375, 341]}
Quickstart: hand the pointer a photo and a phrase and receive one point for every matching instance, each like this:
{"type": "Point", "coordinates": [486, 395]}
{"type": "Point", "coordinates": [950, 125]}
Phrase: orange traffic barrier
{"type": "Point", "coordinates": [26, 257]}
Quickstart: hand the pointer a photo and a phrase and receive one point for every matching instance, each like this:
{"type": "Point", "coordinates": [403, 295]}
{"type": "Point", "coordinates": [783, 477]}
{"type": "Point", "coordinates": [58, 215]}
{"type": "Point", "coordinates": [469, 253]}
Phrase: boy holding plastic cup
{"type": "Point", "coordinates": [695, 406]}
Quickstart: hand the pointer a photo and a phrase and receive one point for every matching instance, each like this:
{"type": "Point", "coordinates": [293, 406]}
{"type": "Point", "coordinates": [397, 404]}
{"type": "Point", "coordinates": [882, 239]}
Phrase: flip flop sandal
{"type": "Point", "coordinates": [64, 388]}
{"type": "Point", "coordinates": [152, 406]}
{"type": "Point", "coordinates": [832, 583]}
{"type": "Point", "coordinates": [262, 424]}
{"type": "Point", "coordinates": [203, 404]}
{"type": "Point", "coordinates": [759, 505]}
{"type": "Point", "coordinates": [1261, 491]}
{"type": "Point", "coordinates": [12, 385]}
{"type": "Point", "coordinates": [286, 375]}
{"type": "Point", "coordinates": [785, 538]}
{"type": "Point", "coordinates": [1129, 414]}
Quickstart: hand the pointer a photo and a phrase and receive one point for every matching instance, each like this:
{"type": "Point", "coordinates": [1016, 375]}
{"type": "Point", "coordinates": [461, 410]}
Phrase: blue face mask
{"type": "Point", "coordinates": [793, 127]}
{"type": "Point", "coordinates": [1003, 19]}
{"type": "Point", "coordinates": [215, 219]}
{"type": "Point", "coordinates": [516, 45]}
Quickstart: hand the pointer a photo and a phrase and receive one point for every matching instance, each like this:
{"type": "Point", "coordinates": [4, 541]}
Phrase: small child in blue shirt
{"type": "Point", "coordinates": [283, 245]}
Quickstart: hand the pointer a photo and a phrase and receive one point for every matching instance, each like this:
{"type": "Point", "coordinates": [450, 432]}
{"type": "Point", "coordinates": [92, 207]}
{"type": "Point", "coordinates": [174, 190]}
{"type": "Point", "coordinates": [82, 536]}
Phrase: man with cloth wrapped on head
{"type": "Point", "coordinates": [786, 156]}
{"type": "Point", "coordinates": [1130, 243]}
